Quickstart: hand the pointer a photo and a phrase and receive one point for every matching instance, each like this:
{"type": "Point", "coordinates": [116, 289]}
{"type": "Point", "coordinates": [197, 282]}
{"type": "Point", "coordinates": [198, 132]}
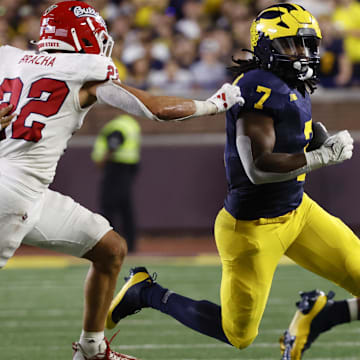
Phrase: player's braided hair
{"type": "Point", "coordinates": [254, 63]}
{"type": "Point", "coordinates": [244, 65]}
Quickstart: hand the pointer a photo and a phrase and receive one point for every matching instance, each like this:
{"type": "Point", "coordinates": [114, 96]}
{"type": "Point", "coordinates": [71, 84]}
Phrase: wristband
{"type": "Point", "coordinates": [204, 108]}
{"type": "Point", "coordinates": [315, 159]}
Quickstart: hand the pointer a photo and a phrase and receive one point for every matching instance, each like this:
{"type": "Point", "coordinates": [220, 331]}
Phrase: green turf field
{"type": "Point", "coordinates": [40, 315]}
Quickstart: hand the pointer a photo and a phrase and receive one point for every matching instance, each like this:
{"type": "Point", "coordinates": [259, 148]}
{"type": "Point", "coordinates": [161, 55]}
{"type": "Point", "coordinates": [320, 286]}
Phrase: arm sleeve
{"type": "Point", "coordinates": [111, 94]}
{"type": "Point", "coordinates": [116, 96]}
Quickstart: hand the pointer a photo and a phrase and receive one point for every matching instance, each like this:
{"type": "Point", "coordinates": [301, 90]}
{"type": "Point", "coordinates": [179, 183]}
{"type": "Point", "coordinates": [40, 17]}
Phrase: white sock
{"type": "Point", "coordinates": [92, 342]}
{"type": "Point", "coordinates": [353, 308]}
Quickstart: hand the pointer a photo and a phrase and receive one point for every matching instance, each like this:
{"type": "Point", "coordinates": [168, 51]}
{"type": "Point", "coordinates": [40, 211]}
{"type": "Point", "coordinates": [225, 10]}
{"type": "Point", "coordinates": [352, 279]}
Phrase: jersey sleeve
{"type": "Point", "coordinates": [100, 68]}
{"type": "Point", "coordinates": [262, 91]}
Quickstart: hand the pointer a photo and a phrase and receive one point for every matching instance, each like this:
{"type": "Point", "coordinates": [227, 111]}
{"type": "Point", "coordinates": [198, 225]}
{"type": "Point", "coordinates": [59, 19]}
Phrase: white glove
{"type": "Point", "coordinates": [227, 96]}
{"type": "Point", "coordinates": [335, 150]}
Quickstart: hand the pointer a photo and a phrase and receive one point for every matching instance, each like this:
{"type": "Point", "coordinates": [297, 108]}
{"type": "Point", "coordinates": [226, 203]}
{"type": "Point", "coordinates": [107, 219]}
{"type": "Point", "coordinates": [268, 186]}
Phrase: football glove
{"type": "Point", "coordinates": [227, 96]}
{"type": "Point", "coordinates": [335, 150]}
{"type": "Point", "coordinates": [320, 134]}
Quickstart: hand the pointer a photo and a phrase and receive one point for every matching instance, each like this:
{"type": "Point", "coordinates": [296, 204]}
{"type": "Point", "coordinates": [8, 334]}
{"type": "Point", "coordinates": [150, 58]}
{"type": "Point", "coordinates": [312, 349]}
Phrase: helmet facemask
{"type": "Point", "coordinates": [296, 56]}
{"type": "Point", "coordinates": [104, 40]}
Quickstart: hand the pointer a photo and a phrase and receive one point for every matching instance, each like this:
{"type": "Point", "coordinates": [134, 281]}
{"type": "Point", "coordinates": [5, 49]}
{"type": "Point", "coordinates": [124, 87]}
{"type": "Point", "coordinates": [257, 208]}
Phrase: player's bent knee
{"type": "Point", "coordinates": [109, 253]}
{"type": "Point", "coordinates": [242, 343]}
{"type": "Point", "coordinates": [118, 245]}
{"type": "Point", "coordinates": [240, 339]}
{"type": "Point", "coordinates": [116, 249]}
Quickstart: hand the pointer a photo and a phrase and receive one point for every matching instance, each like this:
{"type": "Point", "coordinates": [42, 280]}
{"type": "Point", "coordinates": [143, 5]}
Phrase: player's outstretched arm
{"type": "Point", "coordinates": [166, 108]}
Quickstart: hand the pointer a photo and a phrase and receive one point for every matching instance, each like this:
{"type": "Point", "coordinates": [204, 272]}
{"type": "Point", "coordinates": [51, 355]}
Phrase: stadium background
{"type": "Point", "coordinates": [169, 46]}
{"type": "Point", "coordinates": [183, 47]}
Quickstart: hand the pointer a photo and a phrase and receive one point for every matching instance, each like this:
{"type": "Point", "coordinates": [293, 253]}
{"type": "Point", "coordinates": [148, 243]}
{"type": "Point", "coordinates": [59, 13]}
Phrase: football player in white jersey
{"type": "Point", "coordinates": [50, 91]}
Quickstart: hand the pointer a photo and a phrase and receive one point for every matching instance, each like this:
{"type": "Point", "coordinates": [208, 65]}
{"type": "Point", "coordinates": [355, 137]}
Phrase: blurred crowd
{"type": "Point", "coordinates": [182, 45]}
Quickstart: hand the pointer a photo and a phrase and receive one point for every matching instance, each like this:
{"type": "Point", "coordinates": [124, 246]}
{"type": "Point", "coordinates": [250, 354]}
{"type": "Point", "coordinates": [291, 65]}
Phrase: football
{"type": "Point", "coordinates": [320, 134]}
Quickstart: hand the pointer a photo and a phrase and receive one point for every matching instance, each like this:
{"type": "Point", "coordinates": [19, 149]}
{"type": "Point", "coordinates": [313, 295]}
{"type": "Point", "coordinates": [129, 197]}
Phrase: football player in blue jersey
{"type": "Point", "coordinates": [270, 147]}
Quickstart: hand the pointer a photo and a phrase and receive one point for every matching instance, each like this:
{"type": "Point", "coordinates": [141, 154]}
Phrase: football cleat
{"type": "Point", "coordinates": [128, 300]}
{"type": "Point", "coordinates": [309, 321]}
{"type": "Point", "coordinates": [286, 344]}
{"type": "Point", "coordinates": [108, 354]}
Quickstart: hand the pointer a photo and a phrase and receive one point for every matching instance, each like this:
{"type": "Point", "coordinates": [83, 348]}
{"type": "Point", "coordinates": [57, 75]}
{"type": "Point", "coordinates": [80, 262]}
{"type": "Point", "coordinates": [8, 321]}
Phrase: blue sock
{"type": "Point", "coordinates": [338, 313]}
{"type": "Point", "coordinates": [201, 316]}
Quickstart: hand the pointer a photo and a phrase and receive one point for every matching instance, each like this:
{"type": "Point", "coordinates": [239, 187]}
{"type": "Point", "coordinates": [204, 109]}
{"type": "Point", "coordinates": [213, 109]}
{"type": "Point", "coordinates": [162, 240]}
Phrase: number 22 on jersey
{"type": "Point", "coordinates": [45, 98]}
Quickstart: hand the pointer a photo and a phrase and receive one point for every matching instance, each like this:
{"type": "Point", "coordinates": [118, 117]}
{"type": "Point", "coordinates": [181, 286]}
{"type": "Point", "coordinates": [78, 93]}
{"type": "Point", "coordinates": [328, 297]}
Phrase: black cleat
{"type": "Point", "coordinates": [128, 300]}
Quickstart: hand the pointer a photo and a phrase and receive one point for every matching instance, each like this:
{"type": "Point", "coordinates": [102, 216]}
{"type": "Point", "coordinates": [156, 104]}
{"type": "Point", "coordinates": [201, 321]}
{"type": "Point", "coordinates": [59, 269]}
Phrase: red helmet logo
{"type": "Point", "coordinates": [74, 26]}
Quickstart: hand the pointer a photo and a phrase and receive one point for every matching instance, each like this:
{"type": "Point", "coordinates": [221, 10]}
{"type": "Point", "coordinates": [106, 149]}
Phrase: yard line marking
{"type": "Point", "coordinates": [45, 261]}
{"type": "Point", "coordinates": [42, 322]}
{"type": "Point", "coordinates": [211, 345]}
{"type": "Point", "coordinates": [38, 262]}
